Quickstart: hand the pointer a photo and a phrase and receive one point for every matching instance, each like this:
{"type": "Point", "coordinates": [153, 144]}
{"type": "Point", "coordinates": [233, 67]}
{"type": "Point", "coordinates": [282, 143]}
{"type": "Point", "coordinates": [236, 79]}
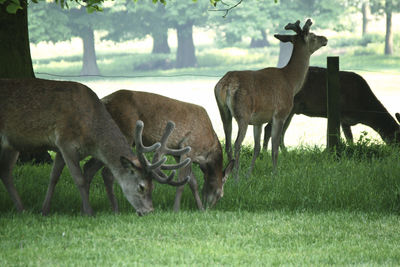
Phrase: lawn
{"type": "Point", "coordinates": [318, 209]}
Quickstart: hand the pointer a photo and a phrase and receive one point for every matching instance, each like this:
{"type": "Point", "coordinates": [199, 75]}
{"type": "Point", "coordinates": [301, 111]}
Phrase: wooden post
{"type": "Point", "coordinates": [333, 102]}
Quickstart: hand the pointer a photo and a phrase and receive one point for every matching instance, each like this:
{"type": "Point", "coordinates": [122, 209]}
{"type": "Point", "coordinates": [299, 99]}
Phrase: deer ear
{"type": "Point", "coordinates": [398, 117]}
{"type": "Point", "coordinates": [132, 165]}
{"type": "Point", "coordinates": [284, 38]}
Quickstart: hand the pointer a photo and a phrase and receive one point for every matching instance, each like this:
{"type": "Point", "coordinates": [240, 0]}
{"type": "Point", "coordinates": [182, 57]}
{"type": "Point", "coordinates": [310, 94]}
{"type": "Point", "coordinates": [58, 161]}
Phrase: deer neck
{"type": "Point", "coordinates": [296, 70]}
{"type": "Point", "coordinates": [111, 150]}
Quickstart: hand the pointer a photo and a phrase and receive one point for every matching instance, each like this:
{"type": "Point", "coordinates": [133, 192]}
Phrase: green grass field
{"type": "Point", "coordinates": [318, 209]}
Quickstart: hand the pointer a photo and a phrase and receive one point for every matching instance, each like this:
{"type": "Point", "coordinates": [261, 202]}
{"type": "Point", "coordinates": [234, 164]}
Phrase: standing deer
{"type": "Point", "coordinates": [193, 128]}
{"type": "Point", "coordinates": [257, 97]}
{"type": "Point", "coordinates": [358, 104]}
{"type": "Point", "coordinates": [68, 117]}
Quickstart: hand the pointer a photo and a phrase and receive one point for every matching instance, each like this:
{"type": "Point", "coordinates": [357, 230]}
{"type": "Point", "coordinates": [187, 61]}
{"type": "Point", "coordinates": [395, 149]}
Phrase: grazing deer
{"type": "Point", "coordinates": [193, 128]}
{"type": "Point", "coordinates": [257, 97]}
{"type": "Point", "coordinates": [68, 117]}
{"type": "Point", "coordinates": [358, 104]}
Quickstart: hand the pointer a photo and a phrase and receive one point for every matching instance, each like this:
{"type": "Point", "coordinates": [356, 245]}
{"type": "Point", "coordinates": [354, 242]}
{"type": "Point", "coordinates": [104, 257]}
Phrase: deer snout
{"type": "Point", "coordinates": [144, 212]}
{"type": "Point", "coordinates": [324, 40]}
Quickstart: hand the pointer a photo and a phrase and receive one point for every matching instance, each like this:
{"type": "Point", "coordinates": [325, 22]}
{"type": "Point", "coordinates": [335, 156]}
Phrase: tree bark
{"type": "Point", "coordinates": [366, 13]}
{"type": "Point", "coordinates": [15, 59]}
{"type": "Point", "coordinates": [15, 53]}
{"type": "Point", "coordinates": [160, 42]}
{"type": "Point", "coordinates": [185, 56]}
{"type": "Point", "coordinates": [89, 61]}
{"type": "Point", "coordinates": [389, 33]}
{"type": "Point", "coordinates": [263, 42]}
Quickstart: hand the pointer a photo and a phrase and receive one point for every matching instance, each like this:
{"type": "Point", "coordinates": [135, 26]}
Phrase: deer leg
{"type": "Point", "coordinates": [108, 179]}
{"type": "Point", "coordinates": [285, 127]}
{"type": "Point", "coordinates": [179, 190]}
{"type": "Point", "coordinates": [257, 135]}
{"type": "Point", "coordinates": [267, 135]}
{"type": "Point", "coordinates": [238, 143]}
{"type": "Point", "coordinates": [89, 170]}
{"type": "Point", "coordinates": [195, 190]}
{"type": "Point", "coordinates": [226, 118]}
{"type": "Point", "coordinates": [71, 158]}
{"type": "Point", "coordinates": [277, 127]}
{"type": "Point", "coordinates": [347, 132]}
{"type": "Point", "coordinates": [8, 157]}
{"type": "Point", "coordinates": [58, 166]}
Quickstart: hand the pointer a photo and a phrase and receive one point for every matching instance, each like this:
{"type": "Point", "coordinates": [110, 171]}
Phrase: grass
{"type": "Point", "coordinates": [191, 238]}
{"type": "Point", "coordinates": [318, 209]}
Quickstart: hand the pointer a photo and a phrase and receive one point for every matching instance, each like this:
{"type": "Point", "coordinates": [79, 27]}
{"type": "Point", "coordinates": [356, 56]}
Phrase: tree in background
{"type": "Point", "coordinates": [135, 20]}
{"type": "Point", "coordinates": [183, 16]}
{"type": "Point", "coordinates": [50, 23]}
{"type": "Point", "coordinates": [386, 7]}
{"type": "Point", "coordinates": [257, 19]}
{"type": "Point", "coordinates": [251, 19]}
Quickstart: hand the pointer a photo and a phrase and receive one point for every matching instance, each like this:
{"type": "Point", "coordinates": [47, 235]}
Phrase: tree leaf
{"type": "Point", "coordinates": [12, 8]}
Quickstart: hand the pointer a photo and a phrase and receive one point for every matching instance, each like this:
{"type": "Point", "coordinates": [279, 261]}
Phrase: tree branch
{"type": "Point", "coordinates": [226, 10]}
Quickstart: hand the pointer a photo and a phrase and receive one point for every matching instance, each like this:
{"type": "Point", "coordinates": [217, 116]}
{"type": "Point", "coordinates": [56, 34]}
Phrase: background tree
{"type": "Point", "coordinates": [251, 19]}
{"type": "Point", "coordinates": [257, 19]}
{"type": "Point", "coordinates": [132, 20]}
{"type": "Point", "coordinates": [386, 7]}
{"type": "Point", "coordinates": [183, 16]}
{"type": "Point", "coordinates": [72, 22]}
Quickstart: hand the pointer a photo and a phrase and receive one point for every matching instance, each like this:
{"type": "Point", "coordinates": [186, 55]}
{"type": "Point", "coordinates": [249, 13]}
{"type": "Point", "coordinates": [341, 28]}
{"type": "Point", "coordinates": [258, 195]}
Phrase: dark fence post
{"type": "Point", "coordinates": [333, 102]}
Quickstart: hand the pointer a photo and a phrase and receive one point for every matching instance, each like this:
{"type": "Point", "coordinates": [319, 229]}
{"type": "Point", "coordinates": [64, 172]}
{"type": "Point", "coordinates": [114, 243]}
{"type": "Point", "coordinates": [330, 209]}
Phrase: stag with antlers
{"type": "Point", "coordinates": [266, 95]}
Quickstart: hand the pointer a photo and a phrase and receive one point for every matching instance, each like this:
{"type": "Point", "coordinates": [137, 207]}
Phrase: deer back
{"type": "Point", "coordinates": [193, 126]}
{"type": "Point", "coordinates": [358, 104]}
{"type": "Point", "coordinates": [37, 113]}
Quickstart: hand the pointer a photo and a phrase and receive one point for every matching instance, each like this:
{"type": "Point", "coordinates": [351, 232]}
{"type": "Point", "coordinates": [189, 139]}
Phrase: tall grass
{"type": "Point", "coordinates": [318, 209]}
{"type": "Point", "coordinates": [364, 178]}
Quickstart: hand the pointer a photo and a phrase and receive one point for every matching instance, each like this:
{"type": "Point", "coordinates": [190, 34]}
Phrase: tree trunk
{"type": "Point", "coordinates": [89, 66]}
{"type": "Point", "coordinates": [15, 53]}
{"type": "Point", "coordinates": [263, 42]}
{"type": "Point", "coordinates": [389, 34]}
{"type": "Point", "coordinates": [185, 56]}
{"type": "Point", "coordinates": [15, 59]}
{"type": "Point", "coordinates": [366, 13]}
{"type": "Point", "coordinates": [160, 34]}
{"type": "Point", "coordinates": [160, 42]}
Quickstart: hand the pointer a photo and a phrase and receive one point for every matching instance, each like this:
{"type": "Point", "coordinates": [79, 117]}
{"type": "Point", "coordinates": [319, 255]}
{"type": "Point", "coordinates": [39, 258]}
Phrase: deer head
{"type": "Point", "coordinates": [138, 191]}
{"type": "Point", "coordinates": [312, 41]}
{"type": "Point", "coordinates": [213, 188]}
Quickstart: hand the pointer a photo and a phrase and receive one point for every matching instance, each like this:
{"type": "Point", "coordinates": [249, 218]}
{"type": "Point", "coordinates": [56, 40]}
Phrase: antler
{"type": "Point", "coordinates": [294, 26]}
{"type": "Point", "coordinates": [161, 149]}
{"type": "Point", "coordinates": [306, 27]}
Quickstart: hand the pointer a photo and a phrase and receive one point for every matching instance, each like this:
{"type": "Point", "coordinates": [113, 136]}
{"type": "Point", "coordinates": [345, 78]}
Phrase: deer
{"type": "Point", "coordinates": [358, 104]}
{"type": "Point", "coordinates": [193, 129]}
{"type": "Point", "coordinates": [69, 118]}
{"type": "Point", "coordinates": [266, 95]}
